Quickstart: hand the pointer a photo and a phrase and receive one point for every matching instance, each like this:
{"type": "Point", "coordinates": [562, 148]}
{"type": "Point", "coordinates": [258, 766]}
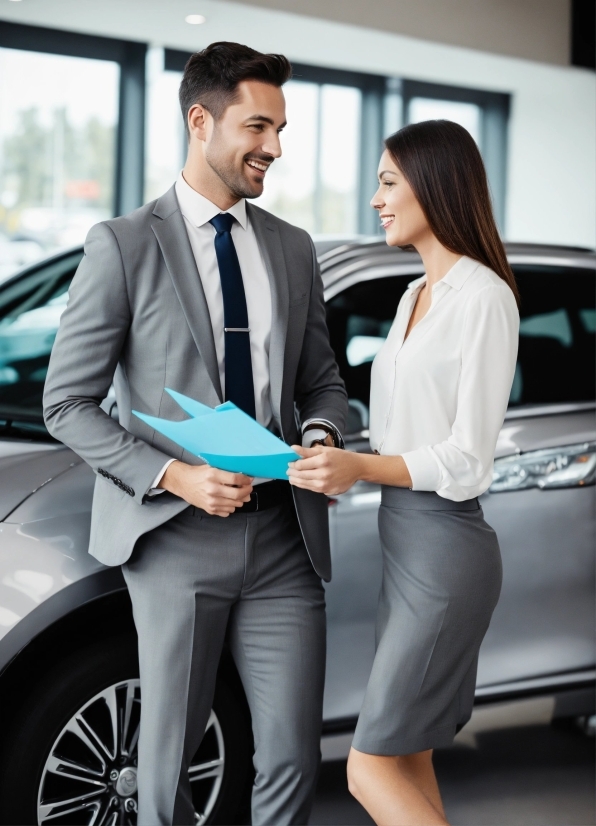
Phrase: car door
{"type": "Point", "coordinates": [541, 503]}
{"type": "Point", "coordinates": [544, 621]}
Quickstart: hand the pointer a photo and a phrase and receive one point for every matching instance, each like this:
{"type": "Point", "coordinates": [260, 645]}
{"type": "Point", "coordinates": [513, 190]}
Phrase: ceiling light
{"type": "Point", "coordinates": [195, 19]}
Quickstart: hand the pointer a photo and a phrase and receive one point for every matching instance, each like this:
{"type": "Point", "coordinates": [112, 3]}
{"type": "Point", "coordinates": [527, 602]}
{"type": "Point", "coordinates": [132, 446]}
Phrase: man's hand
{"type": "Point", "coordinates": [216, 491]}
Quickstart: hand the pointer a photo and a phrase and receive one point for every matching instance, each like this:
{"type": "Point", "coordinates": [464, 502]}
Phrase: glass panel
{"type": "Point", "coordinates": [588, 318]}
{"type": "Point", "coordinates": [467, 115]}
{"type": "Point", "coordinates": [314, 183]}
{"type": "Point", "coordinates": [557, 343]}
{"type": "Point", "coordinates": [548, 325]}
{"type": "Point", "coordinates": [290, 183]}
{"type": "Point", "coordinates": [338, 167]}
{"type": "Point", "coordinates": [30, 310]}
{"type": "Point", "coordinates": [165, 141]}
{"type": "Point", "coordinates": [58, 118]}
{"type": "Point", "coordinates": [392, 107]}
{"type": "Point", "coordinates": [359, 321]}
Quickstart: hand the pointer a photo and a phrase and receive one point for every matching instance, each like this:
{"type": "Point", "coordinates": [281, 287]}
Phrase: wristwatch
{"type": "Point", "coordinates": [324, 428]}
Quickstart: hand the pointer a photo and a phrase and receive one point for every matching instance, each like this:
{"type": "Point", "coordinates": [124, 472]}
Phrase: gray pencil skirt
{"type": "Point", "coordinates": [441, 582]}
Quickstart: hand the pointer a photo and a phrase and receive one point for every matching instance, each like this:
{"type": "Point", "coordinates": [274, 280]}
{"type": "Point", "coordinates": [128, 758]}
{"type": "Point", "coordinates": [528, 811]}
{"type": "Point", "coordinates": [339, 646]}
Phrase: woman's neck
{"type": "Point", "coordinates": [436, 258]}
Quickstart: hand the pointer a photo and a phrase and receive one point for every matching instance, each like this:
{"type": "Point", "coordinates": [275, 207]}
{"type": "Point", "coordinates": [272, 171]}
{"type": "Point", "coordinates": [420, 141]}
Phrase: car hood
{"type": "Point", "coordinates": [26, 466]}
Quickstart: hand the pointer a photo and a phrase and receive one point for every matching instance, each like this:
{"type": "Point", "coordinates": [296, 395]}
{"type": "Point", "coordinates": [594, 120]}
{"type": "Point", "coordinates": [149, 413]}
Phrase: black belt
{"type": "Point", "coordinates": [266, 495]}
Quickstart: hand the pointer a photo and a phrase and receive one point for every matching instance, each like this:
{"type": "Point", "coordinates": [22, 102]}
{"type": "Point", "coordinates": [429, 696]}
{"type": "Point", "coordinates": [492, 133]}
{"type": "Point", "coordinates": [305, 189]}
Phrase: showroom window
{"type": "Point", "coordinates": [165, 142]}
{"type": "Point", "coordinates": [71, 138]}
{"type": "Point", "coordinates": [58, 120]}
{"type": "Point", "coordinates": [468, 115]}
{"type": "Point", "coordinates": [78, 146]}
{"type": "Point", "coordinates": [331, 146]}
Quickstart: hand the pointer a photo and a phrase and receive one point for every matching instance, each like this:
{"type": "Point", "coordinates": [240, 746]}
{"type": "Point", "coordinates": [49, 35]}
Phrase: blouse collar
{"type": "Point", "coordinates": [456, 277]}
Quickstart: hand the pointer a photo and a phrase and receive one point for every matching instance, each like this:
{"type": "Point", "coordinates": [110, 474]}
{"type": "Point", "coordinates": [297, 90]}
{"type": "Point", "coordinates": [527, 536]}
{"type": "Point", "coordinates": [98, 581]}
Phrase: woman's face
{"type": "Point", "coordinates": [400, 213]}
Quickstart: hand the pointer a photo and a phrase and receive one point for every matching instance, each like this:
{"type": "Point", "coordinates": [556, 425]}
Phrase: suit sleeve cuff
{"type": "Point", "coordinates": [424, 469]}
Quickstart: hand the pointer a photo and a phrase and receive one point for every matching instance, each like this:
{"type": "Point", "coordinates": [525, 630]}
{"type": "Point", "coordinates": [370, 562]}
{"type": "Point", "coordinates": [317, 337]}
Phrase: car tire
{"type": "Point", "coordinates": [66, 722]}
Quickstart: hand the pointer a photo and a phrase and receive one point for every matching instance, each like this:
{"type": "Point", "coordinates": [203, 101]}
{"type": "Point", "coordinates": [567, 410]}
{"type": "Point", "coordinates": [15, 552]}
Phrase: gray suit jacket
{"type": "Point", "coordinates": [137, 315]}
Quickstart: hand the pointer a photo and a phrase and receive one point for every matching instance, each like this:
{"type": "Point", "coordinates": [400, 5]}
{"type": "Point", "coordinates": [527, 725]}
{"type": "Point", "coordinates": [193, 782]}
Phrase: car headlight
{"type": "Point", "coordinates": [562, 467]}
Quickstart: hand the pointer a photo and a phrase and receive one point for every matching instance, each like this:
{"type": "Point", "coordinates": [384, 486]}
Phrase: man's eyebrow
{"type": "Point", "coordinates": [266, 120]}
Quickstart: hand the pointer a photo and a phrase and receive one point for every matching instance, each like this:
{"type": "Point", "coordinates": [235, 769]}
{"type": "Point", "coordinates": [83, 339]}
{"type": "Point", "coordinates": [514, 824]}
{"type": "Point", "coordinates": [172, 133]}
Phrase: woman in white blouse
{"type": "Point", "coordinates": [439, 390]}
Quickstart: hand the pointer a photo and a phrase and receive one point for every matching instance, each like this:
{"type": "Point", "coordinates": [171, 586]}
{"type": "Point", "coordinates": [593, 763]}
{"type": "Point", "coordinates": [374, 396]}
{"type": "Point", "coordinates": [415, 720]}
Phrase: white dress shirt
{"type": "Point", "coordinates": [439, 398]}
{"type": "Point", "coordinates": [197, 211]}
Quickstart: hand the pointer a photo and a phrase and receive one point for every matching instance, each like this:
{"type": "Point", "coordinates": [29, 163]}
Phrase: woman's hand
{"type": "Point", "coordinates": [324, 469]}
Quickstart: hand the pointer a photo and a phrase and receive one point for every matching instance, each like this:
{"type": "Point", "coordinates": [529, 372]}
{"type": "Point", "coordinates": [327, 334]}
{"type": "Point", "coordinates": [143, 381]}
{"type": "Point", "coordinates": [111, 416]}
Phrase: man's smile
{"type": "Point", "coordinates": [259, 166]}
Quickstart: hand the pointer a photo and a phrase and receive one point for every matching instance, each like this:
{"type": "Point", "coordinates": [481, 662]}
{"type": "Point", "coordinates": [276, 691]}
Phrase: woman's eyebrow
{"type": "Point", "coordinates": [387, 172]}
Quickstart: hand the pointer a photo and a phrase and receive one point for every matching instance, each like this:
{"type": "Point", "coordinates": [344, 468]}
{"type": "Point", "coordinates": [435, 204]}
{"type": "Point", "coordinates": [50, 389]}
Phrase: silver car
{"type": "Point", "coordinates": [69, 689]}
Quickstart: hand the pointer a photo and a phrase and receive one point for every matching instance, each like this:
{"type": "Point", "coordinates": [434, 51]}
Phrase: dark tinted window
{"type": "Point", "coordinates": [359, 319]}
{"type": "Point", "coordinates": [30, 310]}
{"type": "Point", "coordinates": [557, 336]}
{"type": "Point", "coordinates": [557, 343]}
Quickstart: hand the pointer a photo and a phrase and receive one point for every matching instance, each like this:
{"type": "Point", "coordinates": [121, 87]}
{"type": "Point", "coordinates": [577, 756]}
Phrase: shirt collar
{"type": "Point", "coordinates": [460, 272]}
{"type": "Point", "coordinates": [456, 277]}
{"type": "Point", "coordinates": [199, 210]}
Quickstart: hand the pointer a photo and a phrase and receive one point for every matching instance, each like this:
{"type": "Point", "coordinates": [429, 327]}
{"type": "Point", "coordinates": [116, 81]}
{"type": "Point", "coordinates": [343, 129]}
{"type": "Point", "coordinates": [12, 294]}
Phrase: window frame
{"type": "Point", "coordinates": [129, 167]}
{"type": "Point", "coordinates": [375, 89]}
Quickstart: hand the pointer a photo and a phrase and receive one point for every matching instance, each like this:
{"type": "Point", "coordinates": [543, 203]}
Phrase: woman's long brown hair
{"type": "Point", "coordinates": [443, 165]}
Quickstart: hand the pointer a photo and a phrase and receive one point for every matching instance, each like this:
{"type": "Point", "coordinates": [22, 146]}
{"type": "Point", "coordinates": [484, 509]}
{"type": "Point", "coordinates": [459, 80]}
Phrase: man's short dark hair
{"type": "Point", "coordinates": [211, 77]}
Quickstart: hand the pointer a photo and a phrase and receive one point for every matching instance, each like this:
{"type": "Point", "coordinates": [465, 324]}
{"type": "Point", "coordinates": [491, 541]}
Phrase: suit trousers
{"type": "Point", "coordinates": [192, 581]}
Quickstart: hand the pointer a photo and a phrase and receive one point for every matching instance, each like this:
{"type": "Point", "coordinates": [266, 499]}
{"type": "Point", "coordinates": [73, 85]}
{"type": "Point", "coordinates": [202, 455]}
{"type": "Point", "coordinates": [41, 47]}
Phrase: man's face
{"type": "Point", "coordinates": [242, 145]}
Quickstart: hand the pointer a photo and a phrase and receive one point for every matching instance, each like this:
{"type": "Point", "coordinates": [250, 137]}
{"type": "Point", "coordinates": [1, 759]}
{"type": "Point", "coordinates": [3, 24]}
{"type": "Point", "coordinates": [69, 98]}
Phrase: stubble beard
{"type": "Point", "coordinates": [234, 180]}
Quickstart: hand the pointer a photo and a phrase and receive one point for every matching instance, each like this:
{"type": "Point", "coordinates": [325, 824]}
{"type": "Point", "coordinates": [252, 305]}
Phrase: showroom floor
{"type": "Point", "coordinates": [509, 767]}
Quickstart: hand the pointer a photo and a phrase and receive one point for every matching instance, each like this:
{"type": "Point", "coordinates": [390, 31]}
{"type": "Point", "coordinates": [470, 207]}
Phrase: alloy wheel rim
{"type": "Point", "coordinates": [89, 777]}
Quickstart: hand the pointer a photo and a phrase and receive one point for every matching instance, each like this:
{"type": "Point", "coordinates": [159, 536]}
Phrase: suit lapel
{"type": "Point", "coordinates": [178, 255]}
{"type": "Point", "coordinates": [270, 246]}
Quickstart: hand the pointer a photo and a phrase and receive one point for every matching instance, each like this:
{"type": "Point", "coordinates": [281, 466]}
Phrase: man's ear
{"type": "Point", "coordinates": [199, 121]}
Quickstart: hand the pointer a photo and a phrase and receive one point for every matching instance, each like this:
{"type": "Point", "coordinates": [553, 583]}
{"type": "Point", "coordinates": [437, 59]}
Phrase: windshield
{"type": "Point", "coordinates": [30, 310]}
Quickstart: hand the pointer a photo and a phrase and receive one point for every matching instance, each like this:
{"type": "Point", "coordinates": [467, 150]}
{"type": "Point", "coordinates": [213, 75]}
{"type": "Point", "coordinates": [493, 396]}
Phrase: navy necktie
{"type": "Point", "coordinates": [238, 363]}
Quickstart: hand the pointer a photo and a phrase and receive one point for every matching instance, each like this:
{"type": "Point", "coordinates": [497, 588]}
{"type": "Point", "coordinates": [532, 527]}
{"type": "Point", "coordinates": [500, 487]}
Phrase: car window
{"type": "Point", "coordinates": [359, 320]}
{"type": "Point", "coordinates": [30, 310]}
{"type": "Point", "coordinates": [557, 336]}
{"type": "Point", "coordinates": [557, 342]}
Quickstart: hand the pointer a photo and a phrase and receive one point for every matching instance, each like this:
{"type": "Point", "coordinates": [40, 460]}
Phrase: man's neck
{"type": "Point", "coordinates": [209, 185]}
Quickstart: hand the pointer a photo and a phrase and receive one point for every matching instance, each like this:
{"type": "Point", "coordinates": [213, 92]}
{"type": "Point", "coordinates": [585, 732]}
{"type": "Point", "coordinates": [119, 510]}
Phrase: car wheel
{"type": "Point", "coordinates": [71, 753]}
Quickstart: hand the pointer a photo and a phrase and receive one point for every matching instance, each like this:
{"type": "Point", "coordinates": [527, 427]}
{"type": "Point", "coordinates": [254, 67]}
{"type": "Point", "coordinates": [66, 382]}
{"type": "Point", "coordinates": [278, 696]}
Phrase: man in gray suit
{"type": "Point", "coordinates": [207, 294]}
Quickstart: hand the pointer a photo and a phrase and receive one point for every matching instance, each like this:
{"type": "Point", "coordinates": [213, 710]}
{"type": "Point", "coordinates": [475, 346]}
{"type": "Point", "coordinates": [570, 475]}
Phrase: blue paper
{"type": "Point", "coordinates": [226, 438]}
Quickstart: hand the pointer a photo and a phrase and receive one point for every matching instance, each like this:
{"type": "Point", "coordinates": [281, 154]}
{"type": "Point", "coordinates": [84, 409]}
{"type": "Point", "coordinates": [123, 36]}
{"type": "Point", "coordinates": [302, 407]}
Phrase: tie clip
{"type": "Point", "coordinates": [236, 329]}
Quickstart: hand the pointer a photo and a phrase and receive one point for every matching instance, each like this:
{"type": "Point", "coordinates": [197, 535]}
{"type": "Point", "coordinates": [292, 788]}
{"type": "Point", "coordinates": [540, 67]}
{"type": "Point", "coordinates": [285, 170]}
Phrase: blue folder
{"type": "Point", "coordinates": [226, 438]}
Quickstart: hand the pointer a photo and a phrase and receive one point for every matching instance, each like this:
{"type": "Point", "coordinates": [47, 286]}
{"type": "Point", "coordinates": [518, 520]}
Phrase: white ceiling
{"type": "Point", "coordinates": [532, 29]}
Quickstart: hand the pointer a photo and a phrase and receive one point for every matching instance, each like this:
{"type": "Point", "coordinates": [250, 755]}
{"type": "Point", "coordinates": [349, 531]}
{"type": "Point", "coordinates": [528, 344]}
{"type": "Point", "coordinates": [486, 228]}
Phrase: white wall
{"type": "Point", "coordinates": [552, 159]}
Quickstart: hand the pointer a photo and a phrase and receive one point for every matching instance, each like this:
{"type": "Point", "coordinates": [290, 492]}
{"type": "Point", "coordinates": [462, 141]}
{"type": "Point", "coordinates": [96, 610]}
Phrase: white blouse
{"type": "Point", "coordinates": [439, 398]}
